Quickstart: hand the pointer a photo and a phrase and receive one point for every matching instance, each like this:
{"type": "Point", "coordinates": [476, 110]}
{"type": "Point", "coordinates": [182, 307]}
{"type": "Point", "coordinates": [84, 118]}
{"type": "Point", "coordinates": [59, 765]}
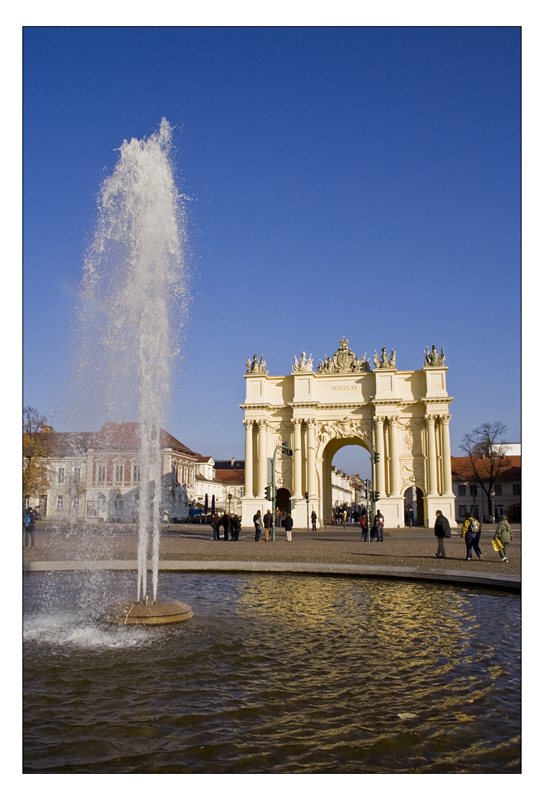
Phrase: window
{"type": "Point", "coordinates": [498, 489]}
{"type": "Point", "coordinates": [473, 489]}
{"type": "Point", "coordinates": [136, 473]}
{"type": "Point", "coordinates": [75, 504]}
{"type": "Point", "coordinates": [462, 512]}
{"type": "Point", "coordinates": [462, 490]}
{"type": "Point", "coordinates": [60, 475]}
{"type": "Point", "coordinates": [101, 474]}
{"type": "Point", "coordinates": [118, 474]}
{"type": "Point", "coordinates": [118, 502]}
{"type": "Point", "coordinates": [517, 488]}
{"type": "Point", "coordinates": [77, 474]}
{"type": "Point", "coordinates": [59, 502]}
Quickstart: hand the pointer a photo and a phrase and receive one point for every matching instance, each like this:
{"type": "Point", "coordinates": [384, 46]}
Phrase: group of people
{"type": "Point", "coordinates": [29, 518]}
{"type": "Point", "coordinates": [374, 532]}
{"type": "Point", "coordinates": [231, 527]}
{"type": "Point", "coordinates": [263, 525]}
{"type": "Point", "coordinates": [471, 532]}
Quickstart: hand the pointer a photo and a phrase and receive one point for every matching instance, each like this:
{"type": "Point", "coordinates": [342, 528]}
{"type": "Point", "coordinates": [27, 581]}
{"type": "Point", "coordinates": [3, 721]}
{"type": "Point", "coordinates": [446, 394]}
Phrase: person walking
{"type": "Point", "coordinates": [378, 524]}
{"type": "Point", "coordinates": [216, 522]}
{"type": "Point", "coordinates": [28, 523]}
{"type": "Point", "coordinates": [471, 534]}
{"type": "Point", "coordinates": [504, 535]}
{"type": "Point", "coordinates": [225, 521]}
{"type": "Point", "coordinates": [314, 521]}
{"type": "Point", "coordinates": [257, 521]}
{"type": "Point", "coordinates": [442, 531]}
{"type": "Point", "coordinates": [288, 523]}
{"type": "Point", "coordinates": [267, 522]}
{"type": "Point", "coordinates": [363, 522]}
{"type": "Point", "coordinates": [235, 527]}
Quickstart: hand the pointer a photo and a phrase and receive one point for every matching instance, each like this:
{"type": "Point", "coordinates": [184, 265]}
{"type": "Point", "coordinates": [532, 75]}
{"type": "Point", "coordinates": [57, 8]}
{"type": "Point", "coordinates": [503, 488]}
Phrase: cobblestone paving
{"type": "Point", "coordinates": [410, 548]}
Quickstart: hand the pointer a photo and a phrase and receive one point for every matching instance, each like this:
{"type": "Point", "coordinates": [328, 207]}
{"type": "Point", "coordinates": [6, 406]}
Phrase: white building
{"type": "Point", "coordinates": [95, 477]}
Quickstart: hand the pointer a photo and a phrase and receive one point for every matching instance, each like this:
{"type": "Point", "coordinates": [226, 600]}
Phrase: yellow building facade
{"type": "Point", "coordinates": [402, 416]}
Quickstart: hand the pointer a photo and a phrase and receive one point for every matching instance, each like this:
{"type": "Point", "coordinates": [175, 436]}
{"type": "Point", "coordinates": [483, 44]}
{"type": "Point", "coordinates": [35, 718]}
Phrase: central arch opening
{"type": "Point", "coordinates": [343, 458]}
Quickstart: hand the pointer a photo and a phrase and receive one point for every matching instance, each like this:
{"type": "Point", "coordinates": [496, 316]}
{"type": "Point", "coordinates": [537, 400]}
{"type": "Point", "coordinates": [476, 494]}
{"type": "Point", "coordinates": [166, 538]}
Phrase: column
{"type": "Point", "coordinates": [395, 482]}
{"type": "Point", "coordinates": [446, 454]}
{"type": "Point", "coordinates": [310, 483]}
{"type": "Point", "coordinates": [262, 458]}
{"type": "Point", "coordinates": [432, 488]}
{"type": "Point", "coordinates": [248, 489]}
{"type": "Point", "coordinates": [380, 466]}
{"type": "Point", "coordinates": [297, 461]}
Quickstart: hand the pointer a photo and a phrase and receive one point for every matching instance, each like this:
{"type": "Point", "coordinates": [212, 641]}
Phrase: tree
{"type": "Point", "coordinates": [486, 450]}
{"type": "Point", "coordinates": [35, 453]}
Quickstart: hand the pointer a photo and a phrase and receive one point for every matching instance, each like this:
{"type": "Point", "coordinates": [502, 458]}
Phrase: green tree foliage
{"type": "Point", "coordinates": [35, 453]}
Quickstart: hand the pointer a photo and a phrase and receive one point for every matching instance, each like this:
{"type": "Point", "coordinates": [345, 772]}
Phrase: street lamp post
{"type": "Point", "coordinates": [286, 452]}
{"type": "Point", "coordinates": [229, 497]}
{"type": "Point", "coordinates": [372, 466]}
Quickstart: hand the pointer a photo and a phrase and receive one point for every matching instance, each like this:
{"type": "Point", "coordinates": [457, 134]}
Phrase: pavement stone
{"type": "Point", "coordinates": [408, 553]}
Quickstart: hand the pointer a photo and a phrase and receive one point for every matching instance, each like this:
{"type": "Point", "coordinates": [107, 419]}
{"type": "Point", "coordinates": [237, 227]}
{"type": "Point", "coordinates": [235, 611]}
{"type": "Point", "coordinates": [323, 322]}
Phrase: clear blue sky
{"type": "Point", "coordinates": [357, 182]}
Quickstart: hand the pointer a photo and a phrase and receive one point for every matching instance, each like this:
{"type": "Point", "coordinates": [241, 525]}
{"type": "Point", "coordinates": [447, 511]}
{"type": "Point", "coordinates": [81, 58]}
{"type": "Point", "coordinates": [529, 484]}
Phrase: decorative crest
{"type": "Point", "coordinates": [304, 365]}
{"type": "Point", "coordinates": [256, 367]}
{"type": "Point", "coordinates": [385, 362]}
{"type": "Point", "coordinates": [344, 360]}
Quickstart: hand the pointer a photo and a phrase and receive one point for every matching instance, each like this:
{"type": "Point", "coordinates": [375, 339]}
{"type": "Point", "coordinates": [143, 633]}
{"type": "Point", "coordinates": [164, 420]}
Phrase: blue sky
{"type": "Point", "coordinates": [344, 181]}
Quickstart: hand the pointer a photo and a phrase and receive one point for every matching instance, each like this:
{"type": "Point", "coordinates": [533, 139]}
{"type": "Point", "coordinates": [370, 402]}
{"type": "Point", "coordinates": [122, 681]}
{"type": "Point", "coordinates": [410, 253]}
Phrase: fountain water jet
{"type": "Point", "coordinates": [133, 285]}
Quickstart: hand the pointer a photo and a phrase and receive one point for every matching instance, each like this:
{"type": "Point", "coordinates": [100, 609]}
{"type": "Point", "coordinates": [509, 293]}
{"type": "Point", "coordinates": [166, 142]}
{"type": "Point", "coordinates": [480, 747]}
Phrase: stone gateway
{"type": "Point", "coordinates": [400, 417]}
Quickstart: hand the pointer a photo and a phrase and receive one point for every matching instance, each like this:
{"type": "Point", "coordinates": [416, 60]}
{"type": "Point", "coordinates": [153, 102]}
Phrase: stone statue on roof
{"type": "Point", "coordinates": [432, 359]}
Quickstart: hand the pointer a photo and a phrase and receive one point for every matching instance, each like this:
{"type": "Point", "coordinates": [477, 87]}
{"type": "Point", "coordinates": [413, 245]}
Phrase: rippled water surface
{"type": "Point", "coordinates": [274, 674]}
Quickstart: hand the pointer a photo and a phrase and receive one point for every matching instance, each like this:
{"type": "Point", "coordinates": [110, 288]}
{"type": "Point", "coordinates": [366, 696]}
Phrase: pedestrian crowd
{"type": "Point", "coordinates": [471, 532]}
{"type": "Point", "coordinates": [371, 532]}
{"type": "Point", "coordinates": [231, 525]}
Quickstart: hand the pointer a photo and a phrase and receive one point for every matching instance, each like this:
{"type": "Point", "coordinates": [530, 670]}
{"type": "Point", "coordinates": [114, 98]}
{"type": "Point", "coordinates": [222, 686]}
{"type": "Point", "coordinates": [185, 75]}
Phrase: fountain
{"type": "Point", "coordinates": [133, 286]}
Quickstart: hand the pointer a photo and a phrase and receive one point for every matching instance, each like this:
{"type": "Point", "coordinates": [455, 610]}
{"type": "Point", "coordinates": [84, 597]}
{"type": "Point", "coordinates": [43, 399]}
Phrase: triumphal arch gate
{"type": "Point", "coordinates": [403, 416]}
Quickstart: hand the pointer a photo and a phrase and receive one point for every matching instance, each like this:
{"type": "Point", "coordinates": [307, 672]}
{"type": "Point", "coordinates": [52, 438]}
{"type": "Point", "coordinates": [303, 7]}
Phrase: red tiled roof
{"type": "Point", "coordinates": [231, 475]}
{"type": "Point", "coordinates": [461, 468]}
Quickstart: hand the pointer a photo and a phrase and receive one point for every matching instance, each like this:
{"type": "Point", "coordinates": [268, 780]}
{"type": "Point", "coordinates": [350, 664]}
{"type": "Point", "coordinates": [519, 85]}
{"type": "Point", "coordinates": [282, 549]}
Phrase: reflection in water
{"type": "Point", "coordinates": [274, 674]}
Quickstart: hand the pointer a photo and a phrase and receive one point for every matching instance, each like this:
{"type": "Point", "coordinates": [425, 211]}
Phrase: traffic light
{"type": "Point", "coordinates": [268, 492]}
{"type": "Point", "coordinates": [376, 496]}
{"type": "Point", "coordinates": [376, 457]}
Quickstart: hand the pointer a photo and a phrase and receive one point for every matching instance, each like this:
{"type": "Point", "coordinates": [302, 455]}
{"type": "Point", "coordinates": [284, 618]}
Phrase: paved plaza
{"type": "Point", "coordinates": [408, 553]}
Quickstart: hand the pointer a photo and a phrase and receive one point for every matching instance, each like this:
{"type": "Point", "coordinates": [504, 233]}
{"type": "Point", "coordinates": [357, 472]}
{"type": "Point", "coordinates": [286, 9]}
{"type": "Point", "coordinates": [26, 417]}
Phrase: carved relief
{"type": "Point", "coordinates": [412, 475]}
{"type": "Point", "coordinates": [342, 429]}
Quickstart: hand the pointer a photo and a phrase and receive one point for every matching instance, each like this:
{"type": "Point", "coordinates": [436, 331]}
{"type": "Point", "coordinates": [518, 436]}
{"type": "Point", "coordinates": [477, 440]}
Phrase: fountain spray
{"type": "Point", "coordinates": [134, 287]}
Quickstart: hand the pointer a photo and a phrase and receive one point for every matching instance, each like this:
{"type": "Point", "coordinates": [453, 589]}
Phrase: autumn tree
{"type": "Point", "coordinates": [486, 450]}
{"type": "Point", "coordinates": [35, 453]}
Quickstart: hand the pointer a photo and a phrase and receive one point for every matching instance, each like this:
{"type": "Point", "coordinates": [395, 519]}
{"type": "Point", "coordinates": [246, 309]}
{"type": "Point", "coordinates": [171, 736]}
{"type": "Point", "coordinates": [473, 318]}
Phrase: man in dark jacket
{"type": "Point", "coordinates": [267, 522]}
{"type": "Point", "coordinates": [288, 522]}
{"type": "Point", "coordinates": [441, 531]}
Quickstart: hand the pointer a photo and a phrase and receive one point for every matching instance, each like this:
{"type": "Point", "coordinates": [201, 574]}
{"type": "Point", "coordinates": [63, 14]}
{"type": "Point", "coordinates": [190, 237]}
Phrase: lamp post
{"type": "Point", "coordinates": [307, 496]}
{"type": "Point", "coordinates": [286, 452]}
{"type": "Point", "coordinates": [229, 498]}
{"type": "Point", "coordinates": [372, 468]}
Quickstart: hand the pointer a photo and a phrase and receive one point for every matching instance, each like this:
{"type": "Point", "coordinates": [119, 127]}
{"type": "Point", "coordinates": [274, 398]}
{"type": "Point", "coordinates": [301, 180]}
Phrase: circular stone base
{"type": "Point", "coordinates": [149, 612]}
